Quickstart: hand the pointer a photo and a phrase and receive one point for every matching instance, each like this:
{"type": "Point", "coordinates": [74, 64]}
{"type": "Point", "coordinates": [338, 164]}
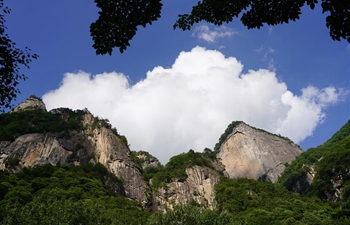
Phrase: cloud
{"type": "Point", "coordinates": [205, 33]}
{"type": "Point", "coordinates": [271, 65]}
{"type": "Point", "coordinates": [258, 50]}
{"type": "Point", "coordinates": [189, 105]}
{"type": "Point", "coordinates": [270, 29]}
{"type": "Point", "coordinates": [268, 51]}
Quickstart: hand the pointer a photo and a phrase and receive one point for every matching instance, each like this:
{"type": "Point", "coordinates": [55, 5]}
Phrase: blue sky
{"type": "Point", "coordinates": [164, 112]}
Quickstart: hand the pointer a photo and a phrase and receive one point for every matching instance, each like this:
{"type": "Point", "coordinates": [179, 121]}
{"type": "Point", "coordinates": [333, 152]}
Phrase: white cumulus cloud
{"type": "Point", "coordinates": [205, 33]}
{"type": "Point", "coordinates": [190, 104]}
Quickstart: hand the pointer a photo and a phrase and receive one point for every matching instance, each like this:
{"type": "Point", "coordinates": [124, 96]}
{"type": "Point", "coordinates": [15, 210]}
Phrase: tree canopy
{"type": "Point", "coordinates": [118, 20]}
{"type": "Point", "coordinates": [11, 60]}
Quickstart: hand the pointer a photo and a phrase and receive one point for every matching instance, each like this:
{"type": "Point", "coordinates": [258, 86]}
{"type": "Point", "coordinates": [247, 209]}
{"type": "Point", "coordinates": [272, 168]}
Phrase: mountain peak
{"type": "Point", "coordinates": [254, 153]}
{"type": "Point", "coordinates": [30, 103]}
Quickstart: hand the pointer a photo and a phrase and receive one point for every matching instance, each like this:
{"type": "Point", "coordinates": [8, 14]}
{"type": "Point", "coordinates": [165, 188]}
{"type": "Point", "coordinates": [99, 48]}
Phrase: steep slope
{"type": "Point", "coordinates": [32, 102]}
{"type": "Point", "coordinates": [252, 153]}
{"type": "Point", "coordinates": [242, 152]}
{"type": "Point", "coordinates": [323, 170]}
{"type": "Point", "coordinates": [187, 178]}
{"type": "Point", "coordinates": [197, 188]}
{"type": "Point", "coordinates": [32, 136]}
{"type": "Point", "coordinates": [145, 159]}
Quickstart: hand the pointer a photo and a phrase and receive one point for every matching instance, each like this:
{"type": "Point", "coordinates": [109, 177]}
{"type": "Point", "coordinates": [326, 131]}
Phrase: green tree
{"type": "Point", "coordinates": [11, 60]}
{"type": "Point", "coordinates": [190, 215]}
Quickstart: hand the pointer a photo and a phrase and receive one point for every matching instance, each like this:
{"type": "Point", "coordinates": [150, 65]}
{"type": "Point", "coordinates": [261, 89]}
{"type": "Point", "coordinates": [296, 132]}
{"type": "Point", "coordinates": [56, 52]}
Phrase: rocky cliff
{"type": "Point", "coordinates": [66, 136]}
{"type": "Point", "coordinates": [198, 188]}
{"type": "Point", "coordinates": [256, 154]}
{"type": "Point", "coordinates": [94, 142]}
{"type": "Point", "coordinates": [30, 103]}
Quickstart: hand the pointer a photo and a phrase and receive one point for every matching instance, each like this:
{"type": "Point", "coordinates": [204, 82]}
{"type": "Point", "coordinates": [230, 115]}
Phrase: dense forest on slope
{"type": "Point", "coordinates": [329, 162]}
{"type": "Point", "coordinates": [66, 194]}
{"type": "Point", "coordinates": [14, 124]}
{"type": "Point", "coordinates": [89, 194]}
{"type": "Point", "coordinates": [245, 201]}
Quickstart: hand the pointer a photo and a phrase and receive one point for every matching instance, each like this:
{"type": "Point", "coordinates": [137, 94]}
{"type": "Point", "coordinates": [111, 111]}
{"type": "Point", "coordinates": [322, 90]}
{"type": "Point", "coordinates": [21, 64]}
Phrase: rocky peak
{"type": "Point", "coordinates": [146, 159]}
{"type": "Point", "coordinates": [256, 154]}
{"type": "Point", "coordinates": [83, 138]}
{"type": "Point", "coordinates": [32, 102]}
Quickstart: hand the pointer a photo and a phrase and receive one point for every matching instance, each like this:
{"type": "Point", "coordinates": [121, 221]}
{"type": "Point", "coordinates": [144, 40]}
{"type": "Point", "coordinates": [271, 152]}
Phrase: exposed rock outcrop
{"type": "Point", "coordinates": [112, 153]}
{"type": "Point", "coordinates": [198, 187]}
{"type": "Point", "coordinates": [32, 149]}
{"type": "Point", "coordinates": [95, 143]}
{"type": "Point", "coordinates": [246, 152]}
{"type": "Point", "coordinates": [146, 159]}
{"type": "Point", "coordinates": [256, 154]}
{"type": "Point", "coordinates": [30, 103]}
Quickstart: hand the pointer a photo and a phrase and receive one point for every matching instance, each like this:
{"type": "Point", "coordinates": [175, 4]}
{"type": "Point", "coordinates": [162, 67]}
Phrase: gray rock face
{"type": "Point", "coordinates": [32, 149]}
{"type": "Point", "coordinates": [255, 154]}
{"type": "Point", "coordinates": [198, 187]}
{"type": "Point", "coordinates": [147, 159]}
{"type": "Point", "coordinates": [30, 103]}
{"type": "Point", "coordinates": [247, 152]}
{"type": "Point", "coordinates": [94, 144]}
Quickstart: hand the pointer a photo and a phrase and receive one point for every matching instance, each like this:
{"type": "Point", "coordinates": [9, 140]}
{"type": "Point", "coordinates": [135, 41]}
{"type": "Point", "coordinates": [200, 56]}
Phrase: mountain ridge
{"type": "Point", "coordinates": [32, 139]}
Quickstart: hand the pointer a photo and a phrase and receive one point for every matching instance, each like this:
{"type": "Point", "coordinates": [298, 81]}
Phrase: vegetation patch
{"type": "Point", "coordinates": [323, 159]}
{"type": "Point", "coordinates": [15, 124]}
{"type": "Point", "coordinates": [66, 194]}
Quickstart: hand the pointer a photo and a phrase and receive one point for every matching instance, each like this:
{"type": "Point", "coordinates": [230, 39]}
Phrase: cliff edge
{"type": "Point", "coordinates": [256, 154]}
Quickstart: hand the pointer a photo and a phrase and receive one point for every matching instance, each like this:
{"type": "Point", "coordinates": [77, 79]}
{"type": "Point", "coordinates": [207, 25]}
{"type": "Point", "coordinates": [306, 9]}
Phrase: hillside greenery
{"type": "Point", "coordinates": [332, 155]}
{"type": "Point", "coordinates": [66, 194]}
{"type": "Point", "coordinates": [333, 172]}
{"type": "Point", "coordinates": [245, 201]}
{"type": "Point", "coordinates": [15, 124]}
{"type": "Point", "coordinates": [255, 202]}
{"type": "Point", "coordinates": [89, 194]}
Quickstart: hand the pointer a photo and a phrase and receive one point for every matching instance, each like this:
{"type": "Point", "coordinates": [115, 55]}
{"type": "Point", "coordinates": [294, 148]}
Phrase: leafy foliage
{"type": "Point", "coordinates": [62, 120]}
{"type": "Point", "coordinates": [66, 194]}
{"type": "Point", "coordinates": [190, 215]}
{"type": "Point", "coordinates": [294, 177]}
{"type": "Point", "coordinates": [245, 201]}
{"type": "Point", "coordinates": [254, 202]}
{"type": "Point", "coordinates": [333, 170]}
{"type": "Point", "coordinates": [11, 60]}
{"type": "Point", "coordinates": [118, 21]}
{"type": "Point", "coordinates": [256, 13]}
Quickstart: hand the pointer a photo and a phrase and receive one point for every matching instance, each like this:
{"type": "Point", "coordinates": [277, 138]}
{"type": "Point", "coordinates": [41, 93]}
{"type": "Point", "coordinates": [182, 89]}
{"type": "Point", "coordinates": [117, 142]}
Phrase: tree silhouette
{"type": "Point", "coordinates": [118, 20]}
{"type": "Point", "coordinates": [11, 59]}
